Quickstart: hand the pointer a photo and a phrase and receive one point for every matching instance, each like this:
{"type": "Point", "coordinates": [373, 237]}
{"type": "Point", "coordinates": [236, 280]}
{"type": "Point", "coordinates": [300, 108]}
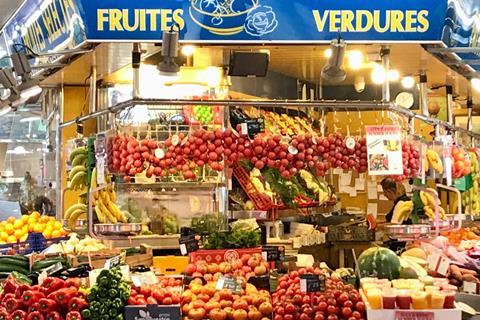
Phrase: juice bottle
{"type": "Point", "coordinates": [438, 300]}
{"type": "Point", "coordinates": [449, 302]}
{"type": "Point", "coordinates": [403, 299]}
{"type": "Point", "coordinates": [388, 298]}
{"type": "Point", "coordinates": [419, 300]}
{"type": "Point", "coordinates": [374, 297]}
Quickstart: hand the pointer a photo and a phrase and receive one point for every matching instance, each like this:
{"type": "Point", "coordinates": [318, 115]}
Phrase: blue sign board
{"type": "Point", "coordinates": [49, 25]}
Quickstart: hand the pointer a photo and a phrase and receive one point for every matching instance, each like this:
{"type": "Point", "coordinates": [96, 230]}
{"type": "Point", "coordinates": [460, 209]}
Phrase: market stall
{"type": "Point", "coordinates": [208, 170]}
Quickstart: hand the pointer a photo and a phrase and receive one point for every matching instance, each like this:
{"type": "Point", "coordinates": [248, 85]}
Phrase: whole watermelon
{"type": "Point", "coordinates": [379, 262]}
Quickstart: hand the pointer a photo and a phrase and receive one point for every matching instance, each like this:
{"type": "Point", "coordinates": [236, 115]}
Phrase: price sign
{"type": "Point", "coordinates": [311, 283]}
{"type": "Point", "coordinates": [273, 253]}
{"type": "Point", "coordinates": [49, 271]}
{"type": "Point", "coordinates": [115, 261]}
{"type": "Point", "coordinates": [188, 244]}
{"type": "Point", "coordinates": [469, 287]}
{"type": "Point", "coordinates": [414, 315]}
{"type": "Point", "coordinates": [228, 282]}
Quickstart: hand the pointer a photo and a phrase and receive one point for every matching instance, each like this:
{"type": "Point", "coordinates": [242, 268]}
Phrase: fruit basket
{"type": "Point", "coordinates": [35, 242]}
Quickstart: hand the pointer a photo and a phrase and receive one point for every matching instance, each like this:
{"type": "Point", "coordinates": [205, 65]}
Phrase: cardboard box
{"type": "Point", "coordinates": [97, 259]}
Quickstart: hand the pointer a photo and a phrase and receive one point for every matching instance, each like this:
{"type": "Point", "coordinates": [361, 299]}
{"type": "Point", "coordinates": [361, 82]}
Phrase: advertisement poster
{"type": "Point", "coordinates": [384, 150]}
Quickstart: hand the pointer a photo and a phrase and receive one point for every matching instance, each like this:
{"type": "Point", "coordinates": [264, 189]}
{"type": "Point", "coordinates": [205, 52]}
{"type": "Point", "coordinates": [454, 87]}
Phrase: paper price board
{"type": "Point", "coordinates": [273, 253]}
{"type": "Point", "coordinates": [188, 244]}
{"type": "Point", "coordinates": [414, 315]}
{"type": "Point", "coordinates": [152, 312]}
{"type": "Point", "coordinates": [115, 261]}
{"type": "Point", "coordinates": [311, 283]}
{"type": "Point", "coordinates": [384, 150]}
{"type": "Point", "coordinates": [228, 282]}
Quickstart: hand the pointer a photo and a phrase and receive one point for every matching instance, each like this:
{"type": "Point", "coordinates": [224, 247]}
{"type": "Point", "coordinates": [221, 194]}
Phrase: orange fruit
{"type": "Point", "coordinates": [35, 214]}
{"type": "Point", "coordinates": [39, 227]}
{"type": "Point", "coordinates": [18, 234]}
{"type": "Point", "coordinates": [57, 225]}
{"type": "Point", "coordinates": [3, 223]}
{"type": "Point", "coordinates": [3, 236]}
{"type": "Point", "coordinates": [24, 218]}
{"type": "Point", "coordinates": [43, 219]}
{"type": "Point", "coordinates": [9, 228]}
{"type": "Point", "coordinates": [11, 239]}
{"type": "Point", "coordinates": [56, 234]}
{"type": "Point", "coordinates": [18, 224]}
{"type": "Point", "coordinates": [11, 219]}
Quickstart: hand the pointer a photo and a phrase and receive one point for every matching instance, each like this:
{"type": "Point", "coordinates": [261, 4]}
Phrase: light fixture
{"type": "Point", "coordinates": [378, 74]}
{"type": "Point", "coordinates": [408, 82]}
{"type": "Point", "coordinates": [333, 71]}
{"type": "Point", "coordinates": [30, 92]}
{"type": "Point", "coordinates": [30, 119]}
{"type": "Point", "coordinates": [359, 84]}
{"type": "Point", "coordinates": [328, 53]}
{"type": "Point", "coordinates": [168, 67]}
{"type": "Point", "coordinates": [475, 84]}
{"type": "Point", "coordinates": [8, 82]}
{"type": "Point", "coordinates": [21, 66]}
{"type": "Point", "coordinates": [393, 75]}
{"type": "Point", "coordinates": [5, 110]}
{"type": "Point", "coordinates": [188, 50]}
{"type": "Point", "coordinates": [355, 59]}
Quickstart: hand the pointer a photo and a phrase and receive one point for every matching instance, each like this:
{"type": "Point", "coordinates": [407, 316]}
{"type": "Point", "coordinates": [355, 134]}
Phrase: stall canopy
{"type": "Point", "coordinates": [59, 24]}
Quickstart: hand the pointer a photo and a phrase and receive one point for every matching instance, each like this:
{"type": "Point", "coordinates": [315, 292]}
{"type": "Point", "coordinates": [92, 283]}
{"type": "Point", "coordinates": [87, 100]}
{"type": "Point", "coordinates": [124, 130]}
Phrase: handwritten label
{"type": "Point", "coordinates": [188, 244]}
{"type": "Point", "coordinates": [311, 283]}
{"type": "Point", "coordinates": [273, 253]}
{"type": "Point", "coordinates": [115, 261]}
{"type": "Point", "coordinates": [413, 315]}
{"type": "Point", "coordinates": [228, 282]}
{"type": "Point", "coordinates": [469, 287]}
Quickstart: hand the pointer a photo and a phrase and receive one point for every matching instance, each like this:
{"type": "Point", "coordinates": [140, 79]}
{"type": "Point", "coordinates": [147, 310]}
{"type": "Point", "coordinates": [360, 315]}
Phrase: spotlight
{"type": "Point", "coordinates": [378, 74]}
{"type": "Point", "coordinates": [168, 67]}
{"type": "Point", "coordinates": [408, 82]}
{"type": "Point", "coordinates": [188, 51]}
{"type": "Point", "coordinates": [355, 59]}
{"type": "Point", "coordinates": [475, 84]}
{"type": "Point", "coordinates": [328, 53]}
{"type": "Point", "coordinates": [393, 75]}
{"type": "Point", "coordinates": [333, 71]}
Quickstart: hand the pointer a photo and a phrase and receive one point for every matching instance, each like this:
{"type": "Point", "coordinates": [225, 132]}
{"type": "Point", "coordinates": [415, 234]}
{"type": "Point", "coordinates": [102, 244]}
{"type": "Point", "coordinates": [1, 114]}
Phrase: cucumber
{"type": "Point", "coordinates": [6, 260]}
{"type": "Point", "coordinates": [42, 264]}
{"type": "Point", "coordinates": [10, 268]}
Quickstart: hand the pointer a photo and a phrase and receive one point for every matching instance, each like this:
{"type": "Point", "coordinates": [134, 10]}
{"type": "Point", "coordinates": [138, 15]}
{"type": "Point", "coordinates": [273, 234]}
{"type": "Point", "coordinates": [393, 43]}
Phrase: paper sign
{"type": "Point", "coordinates": [345, 179]}
{"type": "Point", "coordinates": [311, 283]}
{"type": "Point", "coordinates": [49, 271]}
{"type": "Point", "coordinates": [384, 150]}
{"type": "Point", "coordinates": [144, 278]}
{"type": "Point", "coordinates": [469, 287]}
{"type": "Point", "coordinates": [353, 192]}
{"type": "Point", "coordinates": [372, 193]}
{"type": "Point", "coordinates": [273, 253]}
{"type": "Point", "coordinates": [228, 282]}
{"type": "Point", "coordinates": [152, 312]}
{"type": "Point", "coordinates": [115, 261]}
{"type": "Point", "coordinates": [438, 263]}
{"type": "Point", "coordinates": [372, 208]}
{"type": "Point", "coordinates": [414, 315]}
{"type": "Point", "coordinates": [337, 171]}
{"type": "Point", "coordinates": [359, 184]}
{"type": "Point", "coordinates": [188, 244]}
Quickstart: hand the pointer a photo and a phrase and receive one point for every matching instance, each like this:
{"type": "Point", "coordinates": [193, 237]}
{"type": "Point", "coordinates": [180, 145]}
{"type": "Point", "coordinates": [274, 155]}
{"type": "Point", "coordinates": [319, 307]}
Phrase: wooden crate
{"type": "Point", "coordinates": [97, 259]}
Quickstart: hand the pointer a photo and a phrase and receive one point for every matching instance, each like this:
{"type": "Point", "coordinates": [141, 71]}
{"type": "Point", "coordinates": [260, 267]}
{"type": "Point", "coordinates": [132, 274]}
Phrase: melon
{"type": "Point", "coordinates": [379, 262]}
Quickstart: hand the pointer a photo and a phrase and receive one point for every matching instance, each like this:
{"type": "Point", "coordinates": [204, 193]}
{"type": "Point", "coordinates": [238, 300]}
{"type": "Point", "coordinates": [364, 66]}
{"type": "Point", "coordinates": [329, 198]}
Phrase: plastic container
{"type": "Point", "coordinates": [438, 300]}
{"type": "Point", "coordinates": [449, 302]}
{"type": "Point", "coordinates": [388, 298]}
{"type": "Point", "coordinates": [374, 297]}
{"type": "Point", "coordinates": [419, 300]}
{"type": "Point", "coordinates": [403, 299]}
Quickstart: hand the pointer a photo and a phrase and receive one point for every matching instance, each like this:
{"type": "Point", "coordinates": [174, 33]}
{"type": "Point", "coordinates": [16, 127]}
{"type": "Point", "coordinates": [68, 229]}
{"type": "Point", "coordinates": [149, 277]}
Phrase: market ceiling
{"type": "Point", "coordinates": [7, 9]}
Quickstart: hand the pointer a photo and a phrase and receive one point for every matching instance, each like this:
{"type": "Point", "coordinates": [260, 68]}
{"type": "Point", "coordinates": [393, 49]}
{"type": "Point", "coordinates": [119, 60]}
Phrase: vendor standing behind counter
{"type": "Point", "coordinates": [395, 192]}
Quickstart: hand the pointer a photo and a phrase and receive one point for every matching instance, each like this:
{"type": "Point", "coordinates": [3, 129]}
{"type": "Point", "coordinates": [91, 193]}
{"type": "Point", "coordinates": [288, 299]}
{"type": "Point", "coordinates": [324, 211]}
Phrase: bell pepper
{"type": "Point", "coordinates": [29, 297]}
{"type": "Point", "coordinates": [18, 315]}
{"type": "Point", "coordinates": [52, 284]}
{"type": "Point", "coordinates": [112, 293]}
{"type": "Point", "coordinates": [34, 307]}
{"type": "Point", "coordinates": [53, 315]}
{"type": "Point", "coordinates": [6, 297]}
{"type": "Point", "coordinates": [12, 304]}
{"type": "Point", "coordinates": [72, 282]}
{"type": "Point", "coordinates": [36, 315]}
{"type": "Point", "coordinates": [63, 295]}
{"type": "Point", "coordinates": [86, 314]}
{"type": "Point", "coordinates": [10, 285]}
{"type": "Point", "coordinates": [77, 304]}
{"type": "Point", "coordinates": [4, 315]}
{"type": "Point", "coordinates": [20, 290]}
{"type": "Point", "coordinates": [47, 305]}
{"type": "Point", "coordinates": [73, 315]}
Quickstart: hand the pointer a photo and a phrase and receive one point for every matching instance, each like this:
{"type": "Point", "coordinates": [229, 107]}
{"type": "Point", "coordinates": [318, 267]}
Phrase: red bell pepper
{"type": "Point", "coordinates": [34, 307]}
{"type": "Point", "coordinates": [54, 315]}
{"type": "Point", "coordinates": [29, 297]}
{"type": "Point", "coordinates": [36, 315]}
{"type": "Point", "coordinates": [4, 315]}
{"type": "Point", "coordinates": [77, 304]}
{"type": "Point", "coordinates": [18, 315]}
{"type": "Point", "coordinates": [72, 282]}
{"type": "Point", "coordinates": [10, 285]}
{"type": "Point", "coordinates": [63, 296]}
{"type": "Point", "coordinates": [6, 297]}
{"type": "Point", "coordinates": [47, 305]}
{"type": "Point", "coordinates": [20, 290]}
{"type": "Point", "coordinates": [12, 304]}
{"type": "Point", "coordinates": [73, 315]}
{"type": "Point", "coordinates": [52, 284]}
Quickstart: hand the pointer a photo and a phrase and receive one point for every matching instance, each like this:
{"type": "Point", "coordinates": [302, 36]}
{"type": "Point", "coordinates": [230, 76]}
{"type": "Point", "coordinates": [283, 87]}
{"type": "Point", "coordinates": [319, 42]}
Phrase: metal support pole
{"type": "Point", "coordinates": [136, 58]}
{"type": "Point", "coordinates": [58, 155]}
{"type": "Point", "coordinates": [423, 94]}
{"type": "Point", "coordinates": [450, 105]}
{"type": "Point", "coordinates": [469, 119]}
{"type": "Point", "coordinates": [93, 90]}
{"type": "Point", "coordinates": [385, 54]}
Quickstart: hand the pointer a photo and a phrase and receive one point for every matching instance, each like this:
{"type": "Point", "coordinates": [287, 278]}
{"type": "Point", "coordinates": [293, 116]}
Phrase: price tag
{"type": "Point", "coordinates": [292, 150]}
{"type": "Point", "coordinates": [228, 282]}
{"type": "Point", "coordinates": [244, 129]}
{"type": "Point", "coordinates": [115, 261]}
{"type": "Point", "coordinates": [414, 315]}
{"type": "Point", "coordinates": [469, 287]}
{"type": "Point", "coordinates": [49, 271]}
{"type": "Point", "coordinates": [144, 278]}
{"type": "Point", "coordinates": [184, 140]}
{"type": "Point", "coordinates": [188, 244]}
{"type": "Point", "coordinates": [159, 153]}
{"type": "Point", "coordinates": [175, 140]}
{"type": "Point", "coordinates": [438, 264]}
{"type": "Point", "coordinates": [273, 253]}
{"type": "Point", "coordinates": [350, 143]}
{"type": "Point", "coordinates": [297, 242]}
{"type": "Point", "coordinates": [311, 283]}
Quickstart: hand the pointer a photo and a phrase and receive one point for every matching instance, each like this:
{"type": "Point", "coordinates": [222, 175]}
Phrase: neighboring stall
{"type": "Point", "coordinates": [242, 170]}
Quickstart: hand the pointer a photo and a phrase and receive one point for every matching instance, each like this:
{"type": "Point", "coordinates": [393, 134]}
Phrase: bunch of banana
{"type": "Point", "coordinates": [78, 174]}
{"type": "Point", "coordinates": [402, 211]}
{"type": "Point", "coordinates": [471, 199]}
{"type": "Point", "coordinates": [429, 205]}
{"type": "Point", "coordinates": [104, 203]}
{"type": "Point", "coordinates": [434, 161]}
{"type": "Point", "coordinates": [74, 213]}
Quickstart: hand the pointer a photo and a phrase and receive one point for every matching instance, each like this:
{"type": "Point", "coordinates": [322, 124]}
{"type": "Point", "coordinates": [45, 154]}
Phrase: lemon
{"type": "Point", "coordinates": [9, 228]}
{"type": "Point", "coordinates": [3, 223]}
{"type": "Point", "coordinates": [43, 219]}
{"type": "Point", "coordinates": [56, 234]}
{"type": "Point", "coordinates": [3, 236]}
{"type": "Point", "coordinates": [57, 225]}
{"type": "Point", "coordinates": [24, 218]}
{"type": "Point", "coordinates": [11, 239]}
{"type": "Point", "coordinates": [32, 220]}
{"type": "Point", "coordinates": [18, 234]}
{"type": "Point", "coordinates": [39, 227]}
{"type": "Point", "coordinates": [25, 229]}
{"type": "Point", "coordinates": [47, 233]}
{"type": "Point", "coordinates": [18, 224]}
{"type": "Point", "coordinates": [11, 219]}
{"type": "Point", "coordinates": [24, 238]}
{"type": "Point", "coordinates": [35, 214]}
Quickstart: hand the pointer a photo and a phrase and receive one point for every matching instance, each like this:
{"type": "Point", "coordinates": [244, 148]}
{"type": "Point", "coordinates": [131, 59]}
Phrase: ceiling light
{"type": "Point", "coordinates": [30, 119]}
{"type": "Point", "coordinates": [188, 51]}
{"type": "Point", "coordinates": [475, 84]}
{"type": "Point", "coordinates": [5, 110]}
{"type": "Point", "coordinates": [168, 67]}
{"type": "Point", "coordinates": [355, 59]}
{"type": "Point", "coordinates": [393, 75]}
{"type": "Point", "coordinates": [30, 92]}
{"type": "Point", "coordinates": [328, 53]}
{"type": "Point", "coordinates": [333, 71]}
{"type": "Point", "coordinates": [408, 82]}
{"type": "Point", "coordinates": [378, 74]}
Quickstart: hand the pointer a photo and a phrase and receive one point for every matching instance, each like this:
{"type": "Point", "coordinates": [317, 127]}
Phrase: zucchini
{"type": "Point", "coordinates": [42, 264]}
{"type": "Point", "coordinates": [6, 260]}
{"type": "Point", "coordinates": [9, 268]}
{"type": "Point", "coordinates": [17, 257]}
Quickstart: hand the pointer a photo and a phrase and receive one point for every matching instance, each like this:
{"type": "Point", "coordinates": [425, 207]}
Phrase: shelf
{"type": "Point", "coordinates": [157, 242]}
{"type": "Point", "coordinates": [158, 186]}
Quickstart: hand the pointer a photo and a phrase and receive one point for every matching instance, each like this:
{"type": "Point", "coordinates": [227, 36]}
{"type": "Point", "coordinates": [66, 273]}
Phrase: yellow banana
{"type": "Point", "coordinates": [79, 160]}
{"type": "Point", "coordinates": [75, 170]}
{"type": "Point", "coordinates": [423, 197]}
{"type": "Point", "coordinates": [100, 215]}
{"type": "Point", "coordinates": [74, 217]}
{"type": "Point", "coordinates": [71, 209]}
{"type": "Point", "coordinates": [435, 161]}
{"type": "Point", "coordinates": [106, 212]}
